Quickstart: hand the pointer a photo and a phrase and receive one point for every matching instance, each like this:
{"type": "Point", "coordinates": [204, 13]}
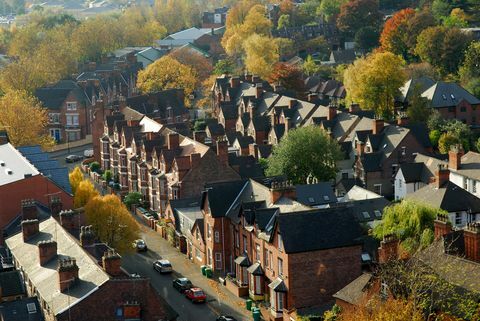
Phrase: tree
{"type": "Point", "coordinates": [357, 14]}
{"type": "Point", "coordinates": [283, 21]}
{"type": "Point", "coordinates": [224, 66]}
{"type": "Point", "coordinates": [188, 57]}
{"type": "Point", "coordinates": [84, 192]}
{"type": "Point", "coordinates": [303, 152]}
{"type": "Point", "coordinates": [441, 9]}
{"type": "Point", "coordinates": [309, 66]}
{"type": "Point", "coordinates": [286, 47]}
{"type": "Point", "coordinates": [318, 44]}
{"type": "Point", "coordinates": [373, 82]}
{"type": "Point", "coordinates": [420, 21]}
{"type": "Point", "coordinates": [107, 176]}
{"type": "Point", "coordinates": [471, 64]}
{"type": "Point", "coordinates": [24, 119]}
{"type": "Point", "coordinates": [407, 220]}
{"type": "Point", "coordinates": [95, 167]}
{"type": "Point", "coordinates": [419, 110]}
{"type": "Point", "coordinates": [446, 141]}
{"type": "Point", "coordinates": [329, 9]}
{"type": "Point", "coordinates": [457, 18]}
{"type": "Point", "coordinates": [422, 69]}
{"type": "Point", "coordinates": [443, 48]}
{"type": "Point", "coordinates": [289, 77]}
{"type": "Point", "coordinates": [434, 137]}
{"type": "Point", "coordinates": [366, 38]}
{"type": "Point", "coordinates": [133, 198]}
{"type": "Point", "coordinates": [394, 32]}
{"type": "Point", "coordinates": [112, 222]}
{"type": "Point", "coordinates": [167, 73]}
{"type": "Point", "coordinates": [75, 177]}
{"type": "Point", "coordinates": [261, 53]}
{"type": "Point", "coordinates": [378, 310]}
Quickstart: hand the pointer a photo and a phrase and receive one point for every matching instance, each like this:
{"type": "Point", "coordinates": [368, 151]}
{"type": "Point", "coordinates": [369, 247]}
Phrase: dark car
{"type": "Point", "coordinates": [226, 318]}
{"type": "Point", "coordinates": [140, 245]}
{"type": "Point", "coordinates": [196, 295]}
{"type": "Point", "coordinates": [182, 284]}
{"type": "Point", "coordinates": [73, 158]}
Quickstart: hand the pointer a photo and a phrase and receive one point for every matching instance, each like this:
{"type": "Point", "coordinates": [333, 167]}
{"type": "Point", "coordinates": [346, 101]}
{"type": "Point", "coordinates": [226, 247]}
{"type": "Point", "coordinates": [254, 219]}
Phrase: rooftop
{"type": "Point", "coordinates": [13, 165]}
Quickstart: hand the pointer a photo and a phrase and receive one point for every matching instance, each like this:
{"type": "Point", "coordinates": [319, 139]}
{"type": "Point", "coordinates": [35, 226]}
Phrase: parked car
{"type": "Point", "coordinates": [88, 153]}
{"type": "Point", "coordinates": [163, 266]}
{"type": "Point", "coordinates": [73, 158]}
{"type": "Point", "coordinates": [226, 318]}
{"type": "Point", "coordinates": [139, 245]}
{"type": "Point", "coordinates": [182, 284]}
{"type": "Point", "coordinates": [196, 295]}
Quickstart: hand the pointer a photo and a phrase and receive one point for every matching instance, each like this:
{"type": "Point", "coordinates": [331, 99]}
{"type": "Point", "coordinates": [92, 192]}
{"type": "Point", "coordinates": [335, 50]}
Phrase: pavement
{"type": "Point", "coordinates": [219, 300]}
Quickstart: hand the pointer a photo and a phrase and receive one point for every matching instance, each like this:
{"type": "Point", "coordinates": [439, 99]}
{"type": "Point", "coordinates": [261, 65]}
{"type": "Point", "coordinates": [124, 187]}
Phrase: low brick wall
{"type": "Point", "coordinates": [240, 291]}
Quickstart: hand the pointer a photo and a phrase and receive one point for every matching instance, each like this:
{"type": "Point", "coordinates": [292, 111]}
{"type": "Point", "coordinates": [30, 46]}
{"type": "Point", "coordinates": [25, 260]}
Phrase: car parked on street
{"type": "Point", "coordinates": [182, 284]}
{"type": "Point", "coordinates": [139, 245]}
{"type": "Point", "coordinates": [196, 295]}
{"type": "Point", "coordinates": [73, 158]}
{"type": "Point", "coordinates": [163, 266]}
{"type": "Point", "coordinates": [226, 318]}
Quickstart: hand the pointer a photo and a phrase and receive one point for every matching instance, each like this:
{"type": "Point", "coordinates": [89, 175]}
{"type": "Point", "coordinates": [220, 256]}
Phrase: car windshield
{"type": "Point", "coordinates": [198, 293]}
{"type": "Point", "coordinates": [140, 242]}
{"type": "Point", "coordinates": [166, 264]}
{"type": "Point", "coordinates": [185, 282]}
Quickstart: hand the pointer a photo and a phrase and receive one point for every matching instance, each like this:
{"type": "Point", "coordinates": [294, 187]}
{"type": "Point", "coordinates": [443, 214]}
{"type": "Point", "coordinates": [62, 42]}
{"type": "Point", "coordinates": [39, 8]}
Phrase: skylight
{"type": "Point", "coordinates": [311, 200]}
{"type": "Point", "coordinates": [326, 198]}
{"type": "Point", "coordinates": [31, 308]}
{"type": "Point", "coordinates": [365, 215]}
{"type": "Point", "coordinates": [377, 213]}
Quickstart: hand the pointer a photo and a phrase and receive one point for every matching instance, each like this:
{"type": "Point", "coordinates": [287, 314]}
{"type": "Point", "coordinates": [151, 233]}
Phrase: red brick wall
{"type": "Point", "coordinates": [37, 188]}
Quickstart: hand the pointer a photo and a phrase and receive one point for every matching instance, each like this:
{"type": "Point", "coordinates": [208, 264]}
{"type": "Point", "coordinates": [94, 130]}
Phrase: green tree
{"type": "Point", "coordinates": [112, 222]}
{"type": "Point", "coordinates": [303, 152]}
{"type": "Point", "coordinates": [419, 110]}
{"type": "Point", "coordinates": [457, 18]}
{"type": "Point", "coordinates": [107, 176]}
{"type": "Point", "coordinates": [434, 137]}
{"type": "Point", "coordinates": [95, 167]}
{"type": "Point", "coordinates": [133, 198]}
{"type": "Point", "coordinates": [283, 21]}
{"type": "Point", "coordinates": [224, 66]}
{"type": "Point", "coordinates": [446, 141]}
{"type": "Point", "coordinates": [471, 64]}
{"type": "Point", "coordinates": [441, 9]}
{"type": "Point", "coordinates": [357, 14]}
{"type": "Point", "coordinates": [309, 66]}
{"type": "Point", "coordinates": [329, 9]}
{"type": "Point", "coordinates": [407, 220]}
{"type": "Point", "coordinates": [366, 38]}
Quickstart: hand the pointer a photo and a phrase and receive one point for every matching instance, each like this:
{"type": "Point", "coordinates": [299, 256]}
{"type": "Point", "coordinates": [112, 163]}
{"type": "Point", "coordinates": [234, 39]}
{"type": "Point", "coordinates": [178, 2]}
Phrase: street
{"type": "Point", "coordinates": [219, 300]}
{"type": "Point", "coordinates": [61, 154]}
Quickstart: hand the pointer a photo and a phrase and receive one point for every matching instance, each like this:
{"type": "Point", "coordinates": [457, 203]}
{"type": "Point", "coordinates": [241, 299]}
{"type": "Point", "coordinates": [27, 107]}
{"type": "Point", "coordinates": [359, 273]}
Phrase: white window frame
{"type": "Point", "coordinates": [280, 266]}
{"type": "Point", "coordinates": [70, 119]}
{"type": "Point", "coordinates": [280, 242]}
{"type": "Point", "coordinates": [54, 118]}
{"type": "Point", "coordinates": [71, 105]}
{"type": "Point", "coordinates": [216, 236]}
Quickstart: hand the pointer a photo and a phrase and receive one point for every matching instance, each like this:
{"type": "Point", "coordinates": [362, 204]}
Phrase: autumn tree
{"type": "Point", "coordinates": [112, 222]}
{"type": "Point", "coordinates": [24, 119]}
{"type": "Point", "coordinates": [378, 310]}
{"type": "Point", "coordinates": [84, 192]}
{"type": "Point", "coordinates": [309, 66]}
{"type": "Point", "coordinates": [167, 73]}
{"type": "Point", "coordinates": [394, 32]}
{"type": "Point", "coordinates": [286, 47]}
{"type": "Point", "coordinates": [329, 9]}
{"type": "Point", "coordinates": [470, 69]}
{"type": "Point", "coordinates": [373, 82]}
{"type": "Point", "coordinates": [260, 54]}
{"type": "Point", "coordinates": [289, 77]}
{"type": "Point", "coordinates": [303, 152]}
{"type": "Point", "coordinates": [202, 66]}
{"type": "Point", "coordinates": [357, 14]}
{"type": "Point", "coordinates": [75, 177]}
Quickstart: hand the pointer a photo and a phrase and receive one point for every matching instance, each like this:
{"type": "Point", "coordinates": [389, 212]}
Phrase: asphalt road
{"type": "Point", "coordinates": [61, 154]}
{"type": "Point", "coordinates": [218, 301]}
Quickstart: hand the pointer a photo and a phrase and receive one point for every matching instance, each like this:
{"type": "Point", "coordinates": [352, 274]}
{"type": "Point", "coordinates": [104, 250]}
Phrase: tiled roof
{"type": "Point", "coordinates": [316, 194]}
{"type": "Point", "coordinates": [11, 283]}
{"type": "Point", "coordinates": [222, 195]}
{"type": "Point", "coordinates": [353, 292]}
{"type": "Point", "coordinates": [445, 94]}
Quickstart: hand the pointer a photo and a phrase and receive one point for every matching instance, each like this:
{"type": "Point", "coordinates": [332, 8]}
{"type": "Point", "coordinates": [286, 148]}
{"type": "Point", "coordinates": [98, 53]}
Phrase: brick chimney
{"type": "Point", "coordinates": [200, 136]}
{"type": "Point", "coordinates": [277, 88]}
{"type": "Point", "coordinates": [442, 175]}
{"type": "Point", "coordinates": [471, 237]}
{"type": "Point", "coordinates": [332, 112]}
{"type": "Point", "coordinates": [354, 108]}
{"type": "Point", "coordinates": [234, 82]}
{"type": "Point", "coordinates": [87, 236]}
{"type": "Point", "coordinates": [258, 90]}
{"type": "Point", "coordinates": [388, 249]}
{"type": "Point", "coordinates": [111, 263]}
{"type": "Point", "coordinates": [377, 126]}
{"type": "Point", "coordinates": [255, 78]}
{"type": "Point", "coordinates": [56, 206]}
{"type": "Point", "coordinates": [282, 189]}
{"type": "Point", "coordinates": [195, 159]}
{"type": "Point", "coordinates": [67, 273]}
{"type": "Point", "coordinates": [29, 209]}
{"type": "Point", "coordinates": [173, 140]}
{"type": "Point", "coordinates": [292, 103]}
{"type": "Point", "coordinates": [402, 121]}
{"type": "Point", "coordinates": [312, 97]}
{"type": "Point", "coordinates": [222, 151]}
{"type": "Point", "coordinates": [442, 226]}
{"type": "Point", "coordinates": [253, 150]}
{"type": "Point", "coordinates": [29, 229]}
{"type": "Point", "coordinates": [248, 77]}
{"type": "Point", "coordinates": [360, 147]}
{"type": "Point", "coordinates": [70, 220]}
{"type": "Point", "coordinates": [455, 157]}
{"type": "Point", "coordinates": [47, 250]}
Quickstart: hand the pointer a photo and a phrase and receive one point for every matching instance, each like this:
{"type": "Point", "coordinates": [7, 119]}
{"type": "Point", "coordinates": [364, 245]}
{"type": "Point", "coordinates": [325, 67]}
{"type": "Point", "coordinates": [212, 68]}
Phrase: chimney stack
{"type": "Point", "coordinates": [312, 98]}
{"type": "Point", "coordinates": [200, 136]}
{"type": "Point", "coordinates": [173, 141]}
{"type": "Point", "coordinates": [258, 90]}
{"type": "Point", "coordinates": [111, 263]}
{"type": "Point", "coordinates": [292, 103]}
{"type": "Point", "coordinates": [67, 273]}
{"type": "Point", "coordinates": [253, 150]}
{"type": "Point", "coordinates": [332, 112]}
{"type": "Point", "coordinates": [30, 228]}
{"type": "Point", "coordinates": [442, 226]}
{"type": "Point", "coordinates": [377, 126]}
{"type": "Point", "coordinates": [248, 77]}
{"type": "Point", "coordinates": [402, 120]}
{"type": "Point", "coordinates": [360, 148]}
{"type": "Point", "coordinates": [471, 237]}
{"type": "Point", "coordinates": [70, 220]}
{"type": "Point", "coordinates": [234, 82]}
{"type": "Point", "coordinates": [282, 189]}
{"type": "Point", "coordinates": [29, 209]}
{"type": "Point", "coordinates": [255, 79]}
{"type": "Point", "coordinates": [455, 157]}
{"type": "Point", "coordinates": [442, 175]}
{"type": "Point", "coordinates": [87, 236]}
{"type": "Point", "coordinates": [195, 159]}
{"type": "Point", "coordinates": [47, 250]}
{"type": "Point", "coordinates": [354, 108]}
{"type": "Point", "coordinates": [56, 206]}
{"type": "Point", "coordinates": [222, 151]}
{"type": "Point", "coordinates": [388, 249]}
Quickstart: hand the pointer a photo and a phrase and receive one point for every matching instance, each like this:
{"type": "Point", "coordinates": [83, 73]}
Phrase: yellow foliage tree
{"type": "Point", "coordinates": [84, 192]}
{"type": "Point", "coordinates": [75, 177]}
{"type": "Point", "coordinates": [167, 73]}
{"type": "Point", "coordinates": [261, 53]}
{"type": "Point", "coordinates": [390, 310]}
{"type": "Point", "coordinates": [374, 81]}
{"type": "Point", "coordinates": [112, 222]}
{"type": "Point", "coordinates": [24, 119]}
{"type": "Point", "coordinates": [186, 56]}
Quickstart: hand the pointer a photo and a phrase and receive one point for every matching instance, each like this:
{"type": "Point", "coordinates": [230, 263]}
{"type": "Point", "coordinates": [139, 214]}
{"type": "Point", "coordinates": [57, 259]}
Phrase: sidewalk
{"type": "Point", "coordinates": [184, 268]}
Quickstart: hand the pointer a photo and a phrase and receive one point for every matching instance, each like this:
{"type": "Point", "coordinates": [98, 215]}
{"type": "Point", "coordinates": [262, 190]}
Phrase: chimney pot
{"type": "Point", "coordinates": [442, 226]}
{"type": "Point", "coordinates": [67, 273]}
{"type": "Point", "coordinates": [222, 151]}
{"type": "Point", "coordinates": [377, 126]}
{"type": "Point", "coordinates": [47, 250]}
{"type": "Point", "coordinates": [111, 263]}
{"type": "Point", "coordinates": [29, 209]}
{"type": "Point", "coordinates": [332, 112]}
{"type": "Point", "coordinates": [292, 103]}
{"type": "Point", "coordinates": [30, 228]}
{"type": "Point", "coordinates": [471, 237]}
{"type": "Point", "coordinates": [455, 157]}
{"type": "Point", "coordinates": [442, 175]}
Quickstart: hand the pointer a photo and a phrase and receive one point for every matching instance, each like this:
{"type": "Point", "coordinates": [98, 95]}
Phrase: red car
{"type": "Point", "coordinates": [195, 295]}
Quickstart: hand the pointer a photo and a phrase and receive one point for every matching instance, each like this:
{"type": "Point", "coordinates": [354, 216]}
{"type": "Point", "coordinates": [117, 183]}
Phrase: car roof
{"type": "Point", "coordinates": [196, 289]}
{"type": "Point", "coordinates": [164, 261]}
{"type": "Point", "coordinates": [183, 279]}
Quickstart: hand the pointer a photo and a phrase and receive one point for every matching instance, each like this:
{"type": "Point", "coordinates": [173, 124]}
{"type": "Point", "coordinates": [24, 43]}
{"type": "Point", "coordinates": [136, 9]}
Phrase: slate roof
{"type": "Point", "coordinates": [18, 310]}
{"type": "Point", "coordinates": [318, 230]}
{"type": "Point", "coordinates": [11, 283]}
{"type": "Point", "coordinates": [372, 162]}
{"type": "Point", "coordinates": [52, 97]}
{"type": "Point", "coordinates": [246, 166]}
{"type": "Point", "coordinates": [447, 198]}
{"type": "Point", "coordinates": [215, 129]}
{"type": "Point", "coordinates": [279, 130]}
{"type": "Point", "coordinates": [265, 150]}
{"type": "Point", "coordinates": [278, 285]}
{"type": "Point", "coordinates": [421, 84]}
{"type": "Point", "coordinates": [420, 132]}
{"type": "Point", "coordinates": [470, 166]}
{"type": "Point", "coordinates": [222, 195]}
{"type": "Point", "coordinates": [412, 172]}
{"type": "Point", "coordinates": [244, 141]}
{"type": "Point", "coordinates": [368, 210]}
{"type": "Point", "coordinates": [343, 56]}
{"type": "Point", "coordinates": [261, 123]}
{"type": "Point", "coordinates": [157, 104]}
{"type": "Point", "coordinates": [353, 292]}
{"type": "Point", "coordinates": [316, 194]}
{"type": "Point", "coordinates": [229, 111]}
{"type": "Point", "coordinates": [445, 94]}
